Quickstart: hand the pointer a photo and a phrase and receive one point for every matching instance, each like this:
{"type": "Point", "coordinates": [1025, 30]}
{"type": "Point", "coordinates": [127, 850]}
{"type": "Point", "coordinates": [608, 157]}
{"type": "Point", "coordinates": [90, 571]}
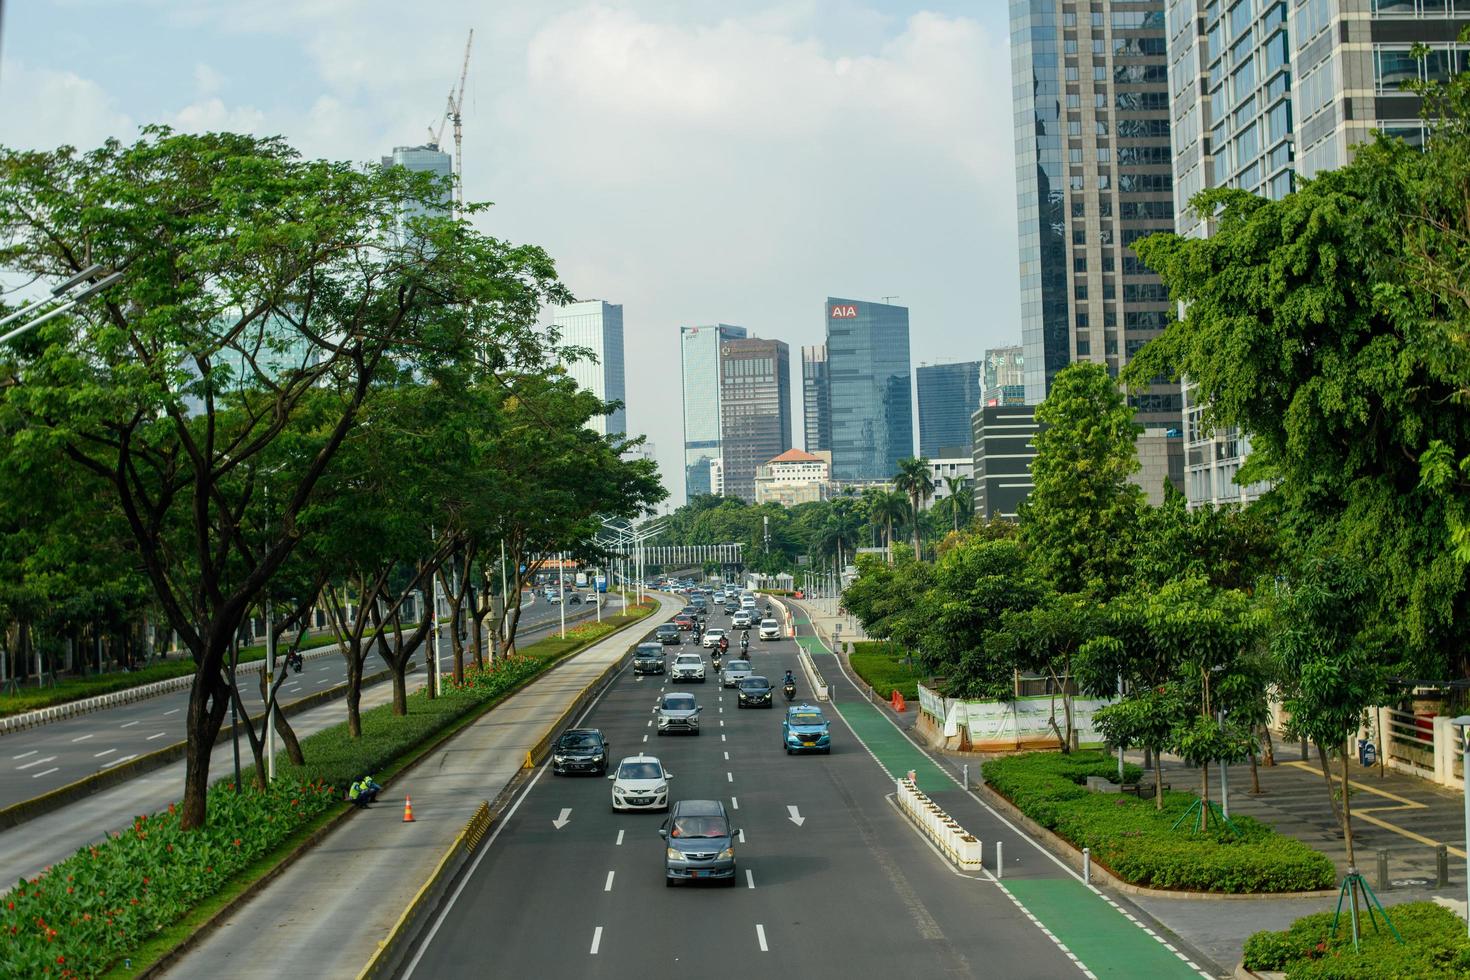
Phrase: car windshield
{"type": "Point", "coordinates": [754, 683]}
{"type": "Point", "coordinates": [700, 827]}
{"type": "Point", "coordinates": [738, 665]}
{"type": "Point", "coordinates": [768, 622]}
{"type": "Point", "coordinates": [715, 633]}
{"type": "Point", "coordinates": [807, 718]}
{"type": "Point", "coordinates": [686, 703]}
{"type": "Point", "coordinates": [580, 742]}
{"type": "Point", "coordinates": [640, 770]}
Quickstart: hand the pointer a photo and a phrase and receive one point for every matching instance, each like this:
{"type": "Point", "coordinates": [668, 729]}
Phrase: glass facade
{"type": "Point", "coordinates": [869, 389]}
{"type": "Point", "coordinates": [948, 395]}
{"type": "Point", "coordinates": [699, 350]}
{"type": "Point", "coordinates": [755, 410]}
{"type": "Point", "coordinates": [422, 159]}
{"type": "Point", "coordinates": [816, 410]}
{"type": "Point", "coordinates": [1093, 157]}
{"type": "Point", "coordinates": [597, 326]}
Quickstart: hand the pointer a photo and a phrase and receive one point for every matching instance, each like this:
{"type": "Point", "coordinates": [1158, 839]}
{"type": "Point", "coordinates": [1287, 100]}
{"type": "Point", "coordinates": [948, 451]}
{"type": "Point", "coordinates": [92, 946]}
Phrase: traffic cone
{"type": "Point", "coordinates": [407, 809]}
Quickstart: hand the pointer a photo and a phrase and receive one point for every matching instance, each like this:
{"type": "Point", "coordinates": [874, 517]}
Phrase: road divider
{"type": "Point", "coordinates": [808, 667]}
{"type": "Point", "coordinates": [962, 848]}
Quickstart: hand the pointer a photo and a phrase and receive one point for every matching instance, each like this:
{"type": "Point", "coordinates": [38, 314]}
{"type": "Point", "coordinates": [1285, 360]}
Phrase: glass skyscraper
{"type": "Point", "coordinates": [755, 410]}
{"type": "Point", "coordinates": [1003, 377]}
{"type": "Point", "coordinates": [869, 388]}
{"type": "Point", "coordinates": [598, 326]}
{"type": "Point", "coordinates": [1094, 174]}
{"type": "Point", "coordinates": [816, 412]}
{"type": "Point", "coordinates": [699, 350]}
{"type": "Point", "coordinates": [948, 395]}
{"type": "Point", "coordinates": [422, 159]}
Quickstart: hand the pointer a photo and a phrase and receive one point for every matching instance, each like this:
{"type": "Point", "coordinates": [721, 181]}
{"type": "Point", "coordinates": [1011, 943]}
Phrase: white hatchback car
{"type": "Point", "coordinates": [640, 783]}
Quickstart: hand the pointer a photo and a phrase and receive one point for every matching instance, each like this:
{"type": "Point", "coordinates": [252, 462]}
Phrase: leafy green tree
{"type": "Point", "coordinates": [252, 279]}
{"type": "Point", "coordinates": [1080, 520]}
{"type": "Point", "coordinates": [886, 508]}
{"type": "Point", "coordinates": [1231, 546]}
{"type": "Point", "coordinates": [915, 479]}
{"type": "Point", "coordinates": [889, 600]}
{"type": "Point", "coordinates": [1044, 637]}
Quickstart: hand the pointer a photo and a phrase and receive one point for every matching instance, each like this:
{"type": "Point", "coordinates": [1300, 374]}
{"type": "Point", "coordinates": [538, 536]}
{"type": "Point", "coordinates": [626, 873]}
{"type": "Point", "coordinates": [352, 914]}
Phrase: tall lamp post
{"type": "Point", "coordinates": [1463, 724]}
{"type": "Point", "coordinates": [60, 294]}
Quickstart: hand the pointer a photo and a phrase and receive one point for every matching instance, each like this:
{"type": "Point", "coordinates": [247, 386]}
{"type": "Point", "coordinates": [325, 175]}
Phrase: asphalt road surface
{"type": "Point", "coordinates": [832, 880]}
{"type": "Point", "coordinates": [41, 759]}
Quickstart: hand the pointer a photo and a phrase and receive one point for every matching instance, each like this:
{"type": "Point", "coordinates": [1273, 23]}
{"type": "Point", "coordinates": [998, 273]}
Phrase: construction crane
{"type": "Point", "coordinates": [452, 112]}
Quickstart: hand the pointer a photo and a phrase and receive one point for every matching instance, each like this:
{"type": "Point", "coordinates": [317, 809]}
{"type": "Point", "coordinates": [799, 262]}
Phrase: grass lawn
{"type": "Point", "coordinates": [882, 666]}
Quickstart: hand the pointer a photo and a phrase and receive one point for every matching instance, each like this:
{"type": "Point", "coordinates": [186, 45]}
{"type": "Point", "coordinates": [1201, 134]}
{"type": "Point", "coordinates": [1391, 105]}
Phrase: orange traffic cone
{"type": "Point", "coordinates": [407, 809]}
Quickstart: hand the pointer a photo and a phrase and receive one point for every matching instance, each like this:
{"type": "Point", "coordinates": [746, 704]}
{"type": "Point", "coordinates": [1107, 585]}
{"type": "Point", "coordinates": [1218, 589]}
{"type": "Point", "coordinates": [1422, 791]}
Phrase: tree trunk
{"type": "Point", "coordinates": [400, 692]}
{"type": "Point", "coordinates": [1327, 778]}
{"type": "Point", "coordinates": [1268, 753]}
{"type": "Point", "coordinates": [209, 699]}
{"type": "Point", "coordinates": [1204, 797]}
{"type": "Point", "coordinates": [283, 727]}
{"type": "Point", "coordinates": [918, 548]}
{"type": "Point", "coordinates": [1255, 775]}
{"type": "Point", "coordinates": [1347, 816]}
{"type": "Point", "coordinates": [1158, 781]}
{"type": "Point", "coordinates": [354, 693]}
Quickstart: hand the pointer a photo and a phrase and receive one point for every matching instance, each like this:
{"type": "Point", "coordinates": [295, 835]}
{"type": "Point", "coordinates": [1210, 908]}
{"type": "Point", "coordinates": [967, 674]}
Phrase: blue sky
{"type": "Point", "coordinates": [698, 161]}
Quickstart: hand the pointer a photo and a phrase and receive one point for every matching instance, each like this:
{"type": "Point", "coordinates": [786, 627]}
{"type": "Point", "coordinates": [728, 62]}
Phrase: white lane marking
{"type": "Point", "coordinates": [608, 887]}
{"type": "Point", "coordinates": [152, 737]}
{"type": "Point", "coordinates": [173, 711]}
{"type": "Point", "coordinates": [742, 835]}
{"type": "Point", "coordinates": [760, 937]}
{"type": "Point", "coordinates": [80, 738]}
{"type": "Point", "coordinates": [722, 723]}
{"type": "Point", "coordinates": [620, 839]}
{"type": "Point", "coordinates": [129, 724]}
{"type": "Point", "coordinates": [727, 755]}
{"type": "Point", "coordinates": [749, 878]}
{"type": "Point", "coordinates": [112, 762]}
{"type": "Point", "coordinates": [24, 754]}
{"type": "Point", "coordinates": [104, 752]}
{"type": "Point", "coordinates": [596, 939]}
{"type": "Point", "coordinates": [645, 738]}
{"type": "Point", "coordinates": [734, 803]}
{"type": "Point", "coordinates": [45, 772]}
{"type": "Point", "coordinates": [36, 762]}
{"type": "Point", "coordinates": [648, 724]}
{"type": "Point", "coordinates": [729, 777]}
{"type": "Point", "coordinates": [722, 711]}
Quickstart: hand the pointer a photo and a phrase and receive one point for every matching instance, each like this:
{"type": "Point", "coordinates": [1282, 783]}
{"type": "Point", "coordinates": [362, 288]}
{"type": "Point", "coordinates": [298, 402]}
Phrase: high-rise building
{"type": "Point", "coordinates": [597, 326]}
{"type": "Point", "coordinates": [1093, 173]}
{"type": "Point", "coordinates": [423, 159]}
{"type": "Point", "coordinates": [1260, 98]}
{"type": "Point", "coordinates": [699, 350]}
{"type": "Point", "coordinates": [869, 389]}
{"type": "Point", "coordinates": [1005, 445]}
{"type": "Point", "coordinates": [1003, 377]}
{"type": "Point", "coordinates": [948, 395]}
{"type": "Point", "coordinates": [755, 409]}
{"type": "Point", "coordinates": [815, 394]}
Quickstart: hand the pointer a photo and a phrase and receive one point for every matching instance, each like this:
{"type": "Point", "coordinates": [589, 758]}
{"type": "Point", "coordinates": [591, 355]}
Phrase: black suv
{"type": "Point", "coordinates": [754, 692]}
{"type": "Point", "coordinates": [580, 750]}
{"type": "Point", "coordinates": [668, 635]}
{"type": "Point", "coordinates": [648, 658]}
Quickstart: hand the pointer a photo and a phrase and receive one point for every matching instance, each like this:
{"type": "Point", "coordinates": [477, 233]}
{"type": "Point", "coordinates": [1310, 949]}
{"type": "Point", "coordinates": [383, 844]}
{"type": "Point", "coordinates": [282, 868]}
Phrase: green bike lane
{"type": "Point", "coordinates": [1105, 939]}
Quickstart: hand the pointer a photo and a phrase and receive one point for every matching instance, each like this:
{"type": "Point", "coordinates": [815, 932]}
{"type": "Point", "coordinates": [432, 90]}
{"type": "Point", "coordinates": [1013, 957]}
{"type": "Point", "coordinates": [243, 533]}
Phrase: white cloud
{"type": "Point", "coordinates": [48, 107]}
{"type": "Point", "coordinates": [207, 81]}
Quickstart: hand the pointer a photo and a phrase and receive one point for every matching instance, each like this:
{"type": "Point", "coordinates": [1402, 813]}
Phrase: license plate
{"type": "Point", "coordinates": [694, 874]}
{"type": "Point", "coordinates": [808, 743]}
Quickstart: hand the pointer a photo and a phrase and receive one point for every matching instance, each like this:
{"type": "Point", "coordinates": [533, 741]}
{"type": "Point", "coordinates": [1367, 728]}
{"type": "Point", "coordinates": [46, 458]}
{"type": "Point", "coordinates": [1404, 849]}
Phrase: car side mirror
{"type": "Point", "coordinates": [663, 833]}
{"type": "Point", "coordinates": [668, 775]}
{"type": "Point", "coordinates": [613, 776]}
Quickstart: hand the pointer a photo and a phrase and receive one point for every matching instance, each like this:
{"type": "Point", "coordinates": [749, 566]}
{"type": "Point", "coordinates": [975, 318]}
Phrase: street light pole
{"type": "Point", "coordinates": [59, 293]}
{"type": "Point", "coordinates": [561, 591]}
{"type": "Point", "coordinates": [1463, 723]}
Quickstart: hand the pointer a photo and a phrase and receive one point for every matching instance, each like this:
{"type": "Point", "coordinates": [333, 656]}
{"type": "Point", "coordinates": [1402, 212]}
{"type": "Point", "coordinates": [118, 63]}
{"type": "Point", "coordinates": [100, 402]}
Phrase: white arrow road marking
{"type": "Point", "coordinates": [561, 821]}
{"type": "Point", "coordinates": [794, 815]}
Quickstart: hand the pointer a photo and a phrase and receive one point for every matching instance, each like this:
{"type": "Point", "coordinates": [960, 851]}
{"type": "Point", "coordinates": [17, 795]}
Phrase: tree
{"type": "Point", "coordinates": [960, 501]}
{"type": "Point", "coordinates": [252, 280]}
{"type": "Point", "coordinates": [1044, 637]}
{"type": "Point", "coordinates": [915, 479]}
{"type": "Point", "coordinates": [884, 508]}
{"type": "Point", "coordinates": [1080, 519]}
{"type": "Point", "coordinates": [889, 599]}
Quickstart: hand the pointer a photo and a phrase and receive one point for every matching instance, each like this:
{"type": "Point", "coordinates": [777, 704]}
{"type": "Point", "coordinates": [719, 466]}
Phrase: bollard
{"type": "Point", "coordinates": [966, 769]}
{"type": "Point", "coordinates": [1000, 861]}
{"type": "Point", "coordinates": [1383, 885]}
{"type": "Point", "coordinates": [1441, 866]}
{"type": "Point", "coordinates": [1087, 865]}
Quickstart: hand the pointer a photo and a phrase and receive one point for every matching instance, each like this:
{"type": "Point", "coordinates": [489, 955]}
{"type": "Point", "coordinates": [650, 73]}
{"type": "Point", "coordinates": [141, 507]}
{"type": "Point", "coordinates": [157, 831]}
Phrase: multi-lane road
{"type": "Point", "coordinates": [832, 880]}
{"type": "Point", "coordinates": [38, 760]}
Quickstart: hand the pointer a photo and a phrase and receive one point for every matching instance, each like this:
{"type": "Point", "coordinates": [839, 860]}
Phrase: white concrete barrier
{"type": "Point", "coordinates": [942, 830]}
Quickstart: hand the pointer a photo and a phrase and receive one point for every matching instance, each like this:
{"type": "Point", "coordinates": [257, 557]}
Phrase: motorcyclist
{"type": "Point", "coordinates": [724, 643]}
{"type": "Point", "coordinates": [745, 642]}
{"type": "Point", "coordinates": [788, 685]}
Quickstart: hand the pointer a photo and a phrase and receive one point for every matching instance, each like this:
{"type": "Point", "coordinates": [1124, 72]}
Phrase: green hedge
{"type": "Point", "coordinates": [881, 665]}
{"type": "Point", "coordinates": [104, 902]}
{"type": "Point", "coordinates": [1434, 945]}
{"type": "Point", "coordinates": [1136, 842]}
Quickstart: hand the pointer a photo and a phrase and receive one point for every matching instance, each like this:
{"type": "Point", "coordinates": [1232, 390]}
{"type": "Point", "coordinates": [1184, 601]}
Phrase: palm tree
{"type": "Point", "coordinates": [837, 538]}
{"type": "Point", "coordinates": [885, 507]}
{"type": "Point", "coordinates": [915, 479]}
{"type": "Point", "coordinates": [960, 498]}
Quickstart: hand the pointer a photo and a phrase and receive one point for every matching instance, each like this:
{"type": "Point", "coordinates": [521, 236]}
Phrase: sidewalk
{"type": "Point", "coordinates": [344, 895]}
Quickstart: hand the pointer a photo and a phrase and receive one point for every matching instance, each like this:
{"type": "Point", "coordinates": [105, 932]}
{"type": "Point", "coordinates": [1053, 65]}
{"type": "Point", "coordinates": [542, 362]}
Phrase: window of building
{"type": "Point", "coordinates": [1074, 100]}
{"type": "Point", "coordinates": [1072, 75]}
{"type": "Point", "coordinates": [1110, 291]}
{"type": "Point", "coordinates": [1079, 291]}
{"type": "Point", "coordinates": [1069, 46]}
{"type": "Point", "coordinates": [1074, 154]}
{"type": "Point", "coordinates": [1081, 321]}
{"type": "Point", "coordinates": [1105, 207]}
{"type": "Point", "coordinates": [1079, 263]}
{"type": "Point", "coordinates": [1074, 127]}
{"type": "Point", "coordinates": [1079, 209]}
{"type": "Point", "coordinates": [1084, 347]}
{"type": "Point", "coordinates": [1107, 262]}
{"type": "Point", "coordinates": [1099, 73]}
{"type": "Point", "coordinates": [1110, 319]}
{"type": "Point", "coordinates": [1079, 237]}
{"type": "Point", "coordinates": [1392, 66]}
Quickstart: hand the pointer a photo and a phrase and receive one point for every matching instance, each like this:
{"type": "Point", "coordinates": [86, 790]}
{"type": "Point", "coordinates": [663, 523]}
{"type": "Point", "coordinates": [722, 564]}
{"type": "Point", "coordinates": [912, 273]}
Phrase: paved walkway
{"type": "Point", "coordinates": [344, 895]}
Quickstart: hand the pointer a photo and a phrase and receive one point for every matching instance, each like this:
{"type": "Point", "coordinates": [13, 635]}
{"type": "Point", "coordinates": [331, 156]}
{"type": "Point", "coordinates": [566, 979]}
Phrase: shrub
{"type": "Point", "coordinates": [1137, 843]}
{"type": "Point", "coordinates": [881, 665]}
{"type": "Point", "coordinates": [1434, 945]}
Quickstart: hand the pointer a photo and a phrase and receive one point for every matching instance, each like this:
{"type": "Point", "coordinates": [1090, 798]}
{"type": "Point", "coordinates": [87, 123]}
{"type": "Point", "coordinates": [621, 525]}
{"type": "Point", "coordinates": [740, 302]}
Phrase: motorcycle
{"type": "Point", "coordinates": [717, 661]}
{"type": "Point", "coordinates": [745, 643]}
{"type": "Point", "coordinates": [294, 661]}
{"type": "Point", "coordinates": [789, 690]}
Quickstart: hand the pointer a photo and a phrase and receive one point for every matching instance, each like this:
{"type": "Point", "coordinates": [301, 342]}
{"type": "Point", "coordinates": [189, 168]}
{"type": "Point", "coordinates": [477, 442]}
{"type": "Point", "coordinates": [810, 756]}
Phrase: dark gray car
{"type": "Point", "coordinates": [699, 843]}
{"type": "Point", "coordinates": [677, 713]}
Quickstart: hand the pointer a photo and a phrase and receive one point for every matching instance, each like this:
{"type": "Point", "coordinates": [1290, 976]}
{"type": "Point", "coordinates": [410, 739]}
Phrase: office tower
{"type": "Point", "coordinates": [1003, 377]}
{"type": "Point", "coordinates": [699, 353]}
{"type": "Point", "coordinates": [869, 390]}
{"type": "Point", "coordinates": [816, 410]}
{"type": "Point", "coordinates": [755, 410]}
{"type": "Point", "coordinates": [948, 395]}
{"type": "Point", "coordinates": [423, 159]}
{"type": "Point", "coordinates": [597, 326]}
{"type": "Point", "coordinates": [1093, 175]}
{"type": "Point", "coordinates": [1260, 98]}
{"type": "Point", "coordinates": [1005, 445]}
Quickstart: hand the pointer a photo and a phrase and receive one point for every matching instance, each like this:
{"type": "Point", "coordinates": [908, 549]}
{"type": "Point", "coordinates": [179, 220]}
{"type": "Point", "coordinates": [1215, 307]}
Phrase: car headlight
{"type": "Point", "coordinates": [674, 854]}
{"type": "Point", "coordinates": [728, 852]}
{"type": "Point", "coordinates": [661, 789]}
{"type": "Point", "coordinates": [559, 759]}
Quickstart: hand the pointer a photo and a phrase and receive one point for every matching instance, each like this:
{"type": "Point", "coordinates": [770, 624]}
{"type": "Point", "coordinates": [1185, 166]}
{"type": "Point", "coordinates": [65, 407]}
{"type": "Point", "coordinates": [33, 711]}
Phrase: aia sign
{"type": "Point", "coordinates": [840, 312]}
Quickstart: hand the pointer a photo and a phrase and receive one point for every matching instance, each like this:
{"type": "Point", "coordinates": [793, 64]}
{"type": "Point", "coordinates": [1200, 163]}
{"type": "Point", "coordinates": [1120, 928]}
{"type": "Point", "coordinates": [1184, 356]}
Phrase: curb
{"type": "Point", "coordinates": [1065, 850]}
{"type": "Point", "coordinates": [37, 806]}
{"type": "Point", "coordinates": [814, 676]}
